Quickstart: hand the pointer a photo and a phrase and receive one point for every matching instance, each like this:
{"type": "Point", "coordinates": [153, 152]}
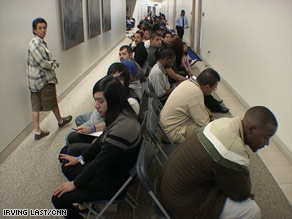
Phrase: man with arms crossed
{"type": "Point", "coordinates": [42, 78]}
{"type": "Point", "coordinates": [207, 176]}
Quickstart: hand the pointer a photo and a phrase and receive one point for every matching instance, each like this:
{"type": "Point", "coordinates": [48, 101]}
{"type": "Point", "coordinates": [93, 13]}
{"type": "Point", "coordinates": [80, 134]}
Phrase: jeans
{"type": "Point", "coordinates": [82, 118]}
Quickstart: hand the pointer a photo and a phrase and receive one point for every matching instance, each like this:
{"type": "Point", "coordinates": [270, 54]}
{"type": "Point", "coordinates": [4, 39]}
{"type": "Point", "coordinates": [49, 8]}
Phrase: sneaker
{"type": "Point", "coordinates": [43, 134]}
{"type": "Point", "coordinates": [66, 120]}
{"type": "Point", "coordinates": [193, 62]}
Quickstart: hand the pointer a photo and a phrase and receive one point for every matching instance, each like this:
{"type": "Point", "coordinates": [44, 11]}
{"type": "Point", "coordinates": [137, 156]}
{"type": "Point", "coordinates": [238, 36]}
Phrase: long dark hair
{"type": "Point", "coordinates": [178, 47]}
{"type": "Point", "coordinates": [125, 74]}
{"type": "Point", "coordinates": [116, 97]}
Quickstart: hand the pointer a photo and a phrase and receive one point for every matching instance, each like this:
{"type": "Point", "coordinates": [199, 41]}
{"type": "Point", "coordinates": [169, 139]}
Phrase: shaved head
{"type": "Point", "coordinates": [259, 125]}
{"type": "Point", "coordinates": [261, 116]}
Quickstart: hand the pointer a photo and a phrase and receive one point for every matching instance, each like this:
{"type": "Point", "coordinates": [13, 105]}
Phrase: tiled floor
{"type": "Point", "coordinates": [276, 162]}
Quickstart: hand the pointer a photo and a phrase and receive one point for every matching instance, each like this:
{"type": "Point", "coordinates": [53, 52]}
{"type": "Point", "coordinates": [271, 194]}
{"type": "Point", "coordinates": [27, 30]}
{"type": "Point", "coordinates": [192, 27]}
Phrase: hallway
{"type": "Point", "coordinates": [31, 173]}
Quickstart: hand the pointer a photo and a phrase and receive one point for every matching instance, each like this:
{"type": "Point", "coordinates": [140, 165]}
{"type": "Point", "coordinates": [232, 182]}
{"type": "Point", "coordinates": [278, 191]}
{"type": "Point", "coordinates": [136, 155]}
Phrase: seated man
{"type": "Point", "coordinates": [155, 45]}
{"type": "Point", "coordinates": [139, 48]}
{"type": "Point", "coordinates": [147, 33]}
{"type": "Point", "coordinates": [207, 176]}
{"type": "Point", "coordinates": [135, 88]}
{"type": "Point", "coordinates": [167, 38]}
{"type": "Point", "coordinates": [153, 53]}
{"type": "Point", "coordinates": [184, 112]}
{"type": "Point", "coordinates": [126, 53]}
{"type": "Point", "coordinates": [158, 76]}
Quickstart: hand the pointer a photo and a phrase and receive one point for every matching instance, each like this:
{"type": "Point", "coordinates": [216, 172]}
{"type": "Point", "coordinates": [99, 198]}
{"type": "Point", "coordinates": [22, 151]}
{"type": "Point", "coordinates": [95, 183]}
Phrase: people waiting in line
{"type": "Point", "coordinates": [207, 176]}
{"type": "Point", "coordinates": [98, 172]}
{"type": "Point", "coordinates": [181, 68]}
{"type": "Point", "coordinates": [93, 121]}
{"type": "Point", "coordinates": [41, 79]}
{"type": "Point", "coordinates": [184, 112]}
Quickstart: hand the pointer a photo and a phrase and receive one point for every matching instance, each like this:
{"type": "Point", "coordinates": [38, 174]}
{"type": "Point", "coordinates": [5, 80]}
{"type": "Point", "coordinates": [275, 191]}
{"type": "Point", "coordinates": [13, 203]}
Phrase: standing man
{"type": "Point", "coordinates": [181, 22]}
{"type": "Point", "coordinates": [42, 79]}
{"type": "Point", "coordinates": [184, 112]}
{"type": "Point", "coordinates": [207, 176]}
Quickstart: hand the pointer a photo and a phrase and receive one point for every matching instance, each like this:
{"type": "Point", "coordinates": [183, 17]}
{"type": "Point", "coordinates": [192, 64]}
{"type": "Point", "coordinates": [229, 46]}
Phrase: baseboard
{"type": "Point", "coordinates": [18, 139]}
{"type": "Point", "coordinates": [14, 143]}
{"type": "Point", "coordinates": [282, 147]}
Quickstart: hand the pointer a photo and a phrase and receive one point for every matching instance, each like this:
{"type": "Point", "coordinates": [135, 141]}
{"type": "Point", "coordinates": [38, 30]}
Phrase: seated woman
{"type": "Point", "coordinates": [92, 121]}
{"type": "Point", "coordinates": [185, 63]}
{"type": "Point", "coordinates": [100, 171]}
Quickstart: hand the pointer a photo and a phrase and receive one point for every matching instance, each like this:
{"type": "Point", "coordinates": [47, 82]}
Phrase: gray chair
{"type": "Point", "coordinates": [120, 195]}
{"type": "Point", "coordinates": [154, 107]}
{"type": "Point", "coordinates": [150, 91]}
{"type": "Point", "coordinates": [153, 128]}
{"type": "Point", "coordinates": [145, 157]}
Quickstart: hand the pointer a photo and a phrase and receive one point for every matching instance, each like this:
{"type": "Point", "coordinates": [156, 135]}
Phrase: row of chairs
{"type": "Point", "coordinates": [156, 147]}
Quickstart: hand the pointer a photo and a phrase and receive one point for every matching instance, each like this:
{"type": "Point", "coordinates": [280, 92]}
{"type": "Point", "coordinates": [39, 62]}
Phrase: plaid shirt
{"type": "Point", "coordinates": [40, 65]}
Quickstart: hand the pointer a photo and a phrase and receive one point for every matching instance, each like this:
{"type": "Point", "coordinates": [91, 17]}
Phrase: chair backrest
{"type": "Point", "coordinates": [150, 91]}
{"type": "Point", "coordinates": [154, 107]}
{"type": "Point", "coordinates": [152, 126]}
{"type": "Point", "coordinates": [145, 157]}
{"type": "Point", "coordinates": [121, 194]}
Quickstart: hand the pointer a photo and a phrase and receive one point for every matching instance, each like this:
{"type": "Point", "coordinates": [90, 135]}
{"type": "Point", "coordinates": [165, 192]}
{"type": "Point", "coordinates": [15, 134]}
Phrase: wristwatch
{"type": "Point", "coordinates": [80, 159]}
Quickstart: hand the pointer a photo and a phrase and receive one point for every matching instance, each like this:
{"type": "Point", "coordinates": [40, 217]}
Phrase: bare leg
{"type": "Point", "coordinates": [62, 121]}
{"type": "Point", "coordinates": [35, 119]}
{"type": "Point", "coordinates": [56, 111]}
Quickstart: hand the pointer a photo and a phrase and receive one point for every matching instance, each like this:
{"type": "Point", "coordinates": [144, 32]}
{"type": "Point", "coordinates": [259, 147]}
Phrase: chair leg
{"type": "Point", "coordinates": [132, 200]}
{"type": "Point", "coordinates": [138, 191]}
{"type": "Point", "coordinates": [133, 207]}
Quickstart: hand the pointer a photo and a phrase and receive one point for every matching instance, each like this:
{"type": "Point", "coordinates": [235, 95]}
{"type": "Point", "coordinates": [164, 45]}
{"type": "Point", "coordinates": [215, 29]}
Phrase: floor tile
{"type": "Point", "coordinates": [273, 158]}
{"type": "Point", "coordinates": [282, 174]}
{"type": "Point", "coordinates": [287, 190]}
{"type": "Point", "coordinates": [270, 147]}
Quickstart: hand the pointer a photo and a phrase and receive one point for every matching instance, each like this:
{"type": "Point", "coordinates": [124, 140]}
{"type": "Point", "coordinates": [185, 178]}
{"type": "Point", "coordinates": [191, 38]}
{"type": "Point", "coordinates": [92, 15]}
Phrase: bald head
{"type": "Point", "coordinates": [261, 116]}
{"type": "Point", "coordinates": [259, 125]}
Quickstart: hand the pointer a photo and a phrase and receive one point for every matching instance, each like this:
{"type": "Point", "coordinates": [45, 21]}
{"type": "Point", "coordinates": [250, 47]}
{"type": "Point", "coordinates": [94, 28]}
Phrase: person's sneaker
{"type": "Point", "coordinates": [66, 120]}
{"type": "Point", "coordinates": [193, 62]}
{"type": "Point", "coordinates": [43, 134]}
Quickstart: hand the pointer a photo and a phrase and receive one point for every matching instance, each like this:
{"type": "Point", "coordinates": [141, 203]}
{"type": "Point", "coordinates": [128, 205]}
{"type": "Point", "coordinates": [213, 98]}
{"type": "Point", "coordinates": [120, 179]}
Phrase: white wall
{"type": "Point", "coordinates": [16, 32]}
{"type": "Point", "coordinates": [251, 47]}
